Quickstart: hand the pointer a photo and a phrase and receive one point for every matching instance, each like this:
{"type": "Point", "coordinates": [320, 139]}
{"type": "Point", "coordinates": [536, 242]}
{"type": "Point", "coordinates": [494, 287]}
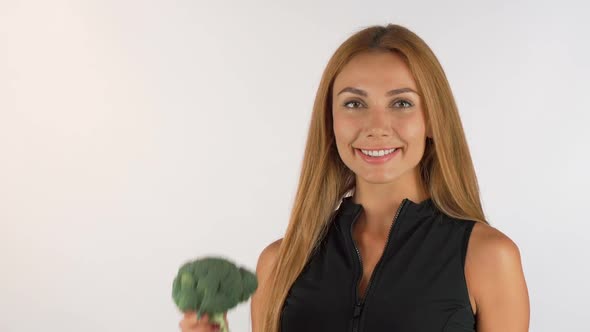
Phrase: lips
{"type": "Point", "coordinates": [379, 159]}
{"type": "Point", "coordinates": [377, 149]}
{"type": "Point", "coordinates": [373, 150]}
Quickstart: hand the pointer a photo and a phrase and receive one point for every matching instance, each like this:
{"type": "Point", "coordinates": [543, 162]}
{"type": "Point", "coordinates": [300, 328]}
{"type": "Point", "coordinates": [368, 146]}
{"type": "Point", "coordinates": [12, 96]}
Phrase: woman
{"type": "Point", "coordinates": [410, 249]}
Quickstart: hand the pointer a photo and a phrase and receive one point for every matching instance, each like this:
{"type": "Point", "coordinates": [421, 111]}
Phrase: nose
{"type": "Point", "coordinates": [378, 123]}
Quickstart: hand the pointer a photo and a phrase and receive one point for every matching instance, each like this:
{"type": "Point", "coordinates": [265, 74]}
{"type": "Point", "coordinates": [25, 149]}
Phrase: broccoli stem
{"type": "Point", "coordinates": [217, 318]}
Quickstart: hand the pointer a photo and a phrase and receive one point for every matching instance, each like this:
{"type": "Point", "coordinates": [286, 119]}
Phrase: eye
{"type": "Point", "coordinates": [407, 103]}
{"type": "Point", "coordinates": [404, 103]}
{"type": "Point", "coordinates": [349, 102]}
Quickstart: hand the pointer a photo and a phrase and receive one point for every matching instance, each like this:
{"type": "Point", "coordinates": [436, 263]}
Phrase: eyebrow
{"type": "Point", "coordinates": [364, 93]}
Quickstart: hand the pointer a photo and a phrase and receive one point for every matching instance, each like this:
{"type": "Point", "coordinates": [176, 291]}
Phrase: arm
{"type": "Point", "coordinates": [263, 269]}
{"type": "Point", "coordinates": [499, 285]}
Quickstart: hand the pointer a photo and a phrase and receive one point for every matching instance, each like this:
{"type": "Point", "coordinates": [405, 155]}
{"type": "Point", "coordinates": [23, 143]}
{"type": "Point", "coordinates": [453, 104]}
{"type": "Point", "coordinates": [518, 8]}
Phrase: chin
{"type": "Point", "coordinates": [379, 178]}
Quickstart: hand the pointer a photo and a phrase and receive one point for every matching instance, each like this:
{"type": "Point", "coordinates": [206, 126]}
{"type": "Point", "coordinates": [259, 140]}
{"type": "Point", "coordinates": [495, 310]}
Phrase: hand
{"type": "Point", "coordinates": [190, 323]}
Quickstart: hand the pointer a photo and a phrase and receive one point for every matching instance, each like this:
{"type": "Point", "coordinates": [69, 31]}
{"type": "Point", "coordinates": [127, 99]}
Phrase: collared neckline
{"type": "Point", "coordinates": [418, 209]}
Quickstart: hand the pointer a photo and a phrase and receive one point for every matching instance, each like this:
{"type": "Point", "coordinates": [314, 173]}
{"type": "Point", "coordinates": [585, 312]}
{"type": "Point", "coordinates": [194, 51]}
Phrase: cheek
{"type": "Point", "coordinates": [413, 129]}
{"type": "Point", "coordinates": [344, 130]}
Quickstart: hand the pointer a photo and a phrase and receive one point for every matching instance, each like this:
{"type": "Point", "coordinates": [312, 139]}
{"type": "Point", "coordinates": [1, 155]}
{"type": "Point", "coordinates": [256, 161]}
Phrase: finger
{"type": "Point", "coordinates": [201, 326]}
{"type": "Point", "coordinates": [191, 318]}
{"type": "Point", "coordinates": [186, 325]}
{"type": "Point", "coordinates": [199, 317]}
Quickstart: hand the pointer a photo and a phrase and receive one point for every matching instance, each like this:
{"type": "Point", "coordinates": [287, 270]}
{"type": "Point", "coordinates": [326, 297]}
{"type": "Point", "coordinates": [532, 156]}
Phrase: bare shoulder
{"type": "Point", "coordinates": [496, 280]}
{"type": "Point", "coordinates": [268, 256]}
{"type": "Point", "coordinates": [489, 243]}
{"type": "Point", "coordinates": [490, 249]}
{"type": "Point", "coordinates": [263, 268]}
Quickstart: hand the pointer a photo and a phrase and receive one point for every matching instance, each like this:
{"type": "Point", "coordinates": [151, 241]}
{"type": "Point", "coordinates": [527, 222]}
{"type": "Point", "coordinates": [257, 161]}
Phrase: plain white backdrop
{"type": "Point", "coordinates": [136, 135]}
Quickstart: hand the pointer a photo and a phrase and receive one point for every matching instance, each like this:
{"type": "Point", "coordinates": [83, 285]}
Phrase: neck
{"type": "Point", "coordinates": [381, 201]}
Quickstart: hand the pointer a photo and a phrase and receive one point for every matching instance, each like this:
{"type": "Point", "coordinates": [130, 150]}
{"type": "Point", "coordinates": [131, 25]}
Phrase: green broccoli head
{"type": "Point", "coordinates": [212, 285]}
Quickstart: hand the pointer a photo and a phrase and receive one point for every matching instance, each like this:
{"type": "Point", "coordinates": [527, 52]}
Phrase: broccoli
{"type": "Point", "coordinates": [212, 285]}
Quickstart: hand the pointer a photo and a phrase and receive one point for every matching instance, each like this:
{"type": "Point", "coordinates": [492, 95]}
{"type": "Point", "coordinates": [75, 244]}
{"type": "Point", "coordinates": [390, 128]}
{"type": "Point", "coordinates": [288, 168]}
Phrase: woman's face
{"type": "Point", "coordinates": [375, 106]}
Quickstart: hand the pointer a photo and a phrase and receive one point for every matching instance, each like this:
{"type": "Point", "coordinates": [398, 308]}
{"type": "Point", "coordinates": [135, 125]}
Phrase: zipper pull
{"type": "Point", "coordinates": [358, 307]}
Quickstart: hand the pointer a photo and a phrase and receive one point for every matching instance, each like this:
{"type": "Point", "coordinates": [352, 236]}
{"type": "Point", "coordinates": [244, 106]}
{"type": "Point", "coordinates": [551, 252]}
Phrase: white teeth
{"type": "Point", "coordinates": [379, 153]}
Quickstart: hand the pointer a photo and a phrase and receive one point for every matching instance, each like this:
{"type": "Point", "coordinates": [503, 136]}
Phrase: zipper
{"type": "Point", "coordinates": [358, 306]}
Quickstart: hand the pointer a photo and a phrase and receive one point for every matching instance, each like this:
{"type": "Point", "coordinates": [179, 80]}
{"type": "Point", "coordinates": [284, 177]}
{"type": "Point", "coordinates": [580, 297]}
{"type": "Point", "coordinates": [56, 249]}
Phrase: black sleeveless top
{"type": "Point", "coordinates": [418, 285]}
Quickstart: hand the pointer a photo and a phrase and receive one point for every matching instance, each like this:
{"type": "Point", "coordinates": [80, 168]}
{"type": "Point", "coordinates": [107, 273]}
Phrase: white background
{"type": "Point", "coordinates": [135, 135]}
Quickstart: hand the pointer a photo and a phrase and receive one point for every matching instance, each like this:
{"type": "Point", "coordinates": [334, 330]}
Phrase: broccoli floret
{"type": "Point", "coordinates": [212, 285]}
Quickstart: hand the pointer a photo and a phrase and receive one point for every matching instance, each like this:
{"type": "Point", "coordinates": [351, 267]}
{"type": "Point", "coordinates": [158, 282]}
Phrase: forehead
{"type": "Point", "coordinates": [375, 70]}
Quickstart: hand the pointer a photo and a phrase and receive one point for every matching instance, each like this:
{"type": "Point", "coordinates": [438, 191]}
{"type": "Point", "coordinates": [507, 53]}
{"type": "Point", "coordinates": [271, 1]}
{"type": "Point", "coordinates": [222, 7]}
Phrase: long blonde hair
{"type": "Point", "coordinates": [446, 168]}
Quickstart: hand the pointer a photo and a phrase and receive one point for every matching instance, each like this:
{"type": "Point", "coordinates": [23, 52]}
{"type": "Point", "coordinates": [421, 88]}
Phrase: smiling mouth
{"type": "Point", "coordinates": [377, 158]}
{"type": "Point", "coordinates": [376, 152]}
{"type": "Point", "coordinates": [377, 149]}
